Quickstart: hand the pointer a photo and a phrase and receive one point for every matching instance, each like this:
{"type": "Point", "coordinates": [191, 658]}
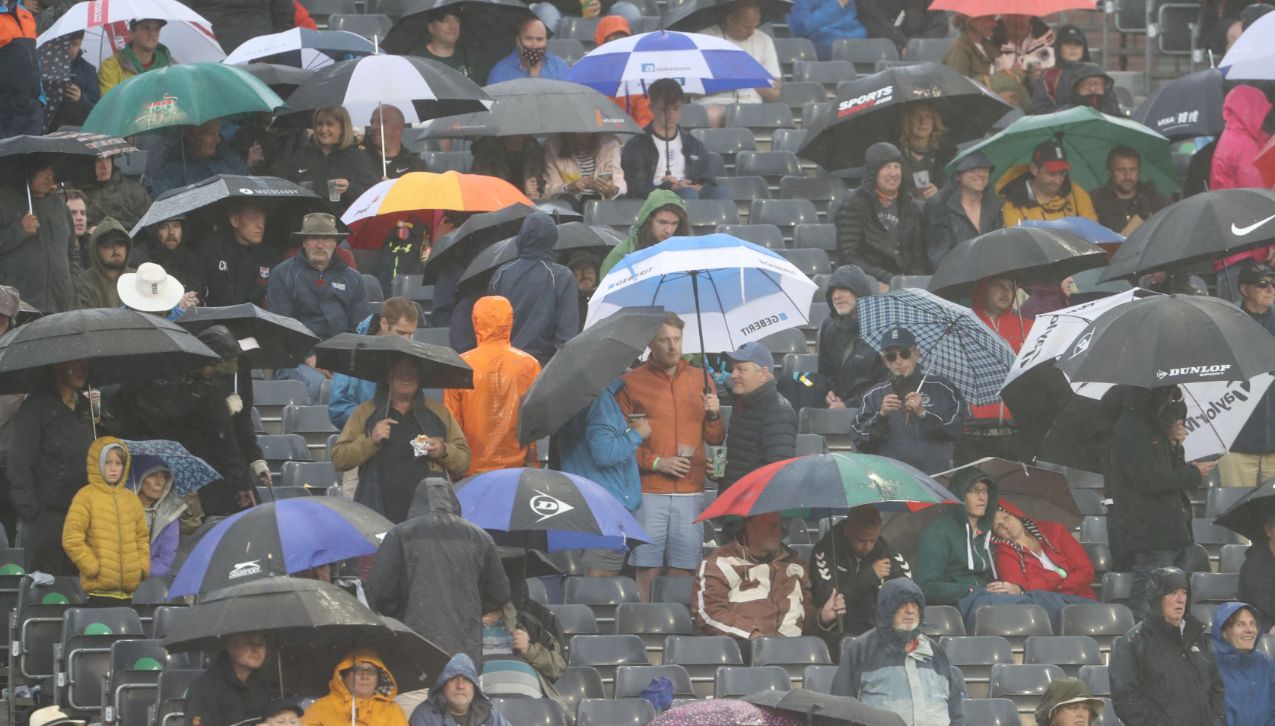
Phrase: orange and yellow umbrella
{"type": "Point", "coordinates": [375, 215]}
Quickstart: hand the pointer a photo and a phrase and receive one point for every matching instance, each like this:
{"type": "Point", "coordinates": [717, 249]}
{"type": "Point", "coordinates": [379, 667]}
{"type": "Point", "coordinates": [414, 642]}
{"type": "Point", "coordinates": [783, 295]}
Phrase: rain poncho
{"type": "Point", "coordinates": [1244, 111]}
{"type": "Point", "coordinates": [105, 531]}
{"type": "Point", "coordinates": [379, 710]}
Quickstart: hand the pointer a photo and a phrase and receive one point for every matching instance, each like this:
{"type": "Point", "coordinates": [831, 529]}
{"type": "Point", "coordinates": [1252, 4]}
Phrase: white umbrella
{"type": "Point", "coordinates": [318, 48]}
{"type": "Point", "coordinates": [187, 35]}
{"type": "Point", "coordinates": [1252, 58]}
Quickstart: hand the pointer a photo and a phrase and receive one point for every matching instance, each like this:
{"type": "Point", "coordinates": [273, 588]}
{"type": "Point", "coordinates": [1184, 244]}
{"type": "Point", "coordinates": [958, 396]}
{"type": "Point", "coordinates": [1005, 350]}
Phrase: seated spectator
{"type": "Point", "coordinates": [1047, 297]}
{"type": "Point", "coordinates": [197, 155]}
{"type": "Point", "coordinates": [112, 193]}
{"type": "Point", "coordinates": [151, 479]}
{"type": "Point", "coordinates": [407, 247]}
{"type": "Point", "coordinates": [235, 688]}
{"type": "Point", "coordinates": [848, 365]}
{"type": "Point", "coordinates": [1162, 671]}
{"type": "Point", "coordinates": [384, 144]}
{"type": "Point", "coordinates": [281, 712]}
{"type": "Point", "coordinates": [879, 226]}
{"type": "Point", "coordinates": [143, 53]}
{"type": "Point", "coordinates": [972, 52]}
{"type": "Point", "coordinates": [663, 215]}
{"type": "Point", "coordinates": [666, 157]}
{"type": "Point", "coordinates": [519, 160]}
{"type": "Point", "coordinates": [1124, 203]}
{"type": "Point", "coordinates": [317, 287]}
{"type": "Point", "coordinates": [20, 109]}
{"type": "Point", "coordinates": [739, 24]}
{"type": "Point", "coordinates": [764, 427]}
{"type": "Point", "coordinates": [614, 27]}
{"type": "Point", "coordinates": [398, 316]}
{"type": "Point", "coordinates": [38, 253]}
{"type": "Point", "coordinates": [1041, 556]}
{"type": "Point", "coordinates": [1247, 673]}
{"type": "Point", "coordinates": [1092, 87]}
{"type": "Point", "coordinates": [925, 154]}
{"type": "Point", "coordinates": [105, 530]}
{"type": "Point", "coordinates": [530, 58]}
{"type": "Point", "coordinates": [823, 21]}
{"type": "Point", "coordinates": [543, 293]}
{"type": "Point", "coordinates": [523, 652]}
{"type": "Point", "coordinates": [583, 166]}
{"type": "Point", "coordinates": [1043, 189]}
{"type": "Point", "coordinates": [264, 146]}
{"type": "Point", "coordinates": [755, 586]}
{"type": "Point", "coordinates": [363, 690]}
{"type": "Point", "coordinates": [109, 248]}
{"type": "Point", "coordinates": [80, 93]}
{"type": "Point", "coordinates": [852, 559]}
{"type": "Point", "coordinates": [443, 45]}
{"type": "Point", "coordinates": [165, 245]}
{"type": "Point", "coordinates": [963, 209]}
{"type": "Point", "coordinates": [1068, 702]}
{"type": "Point", "coordinates": [331, 165]}
{"type": "Point", "coordinates": [1257, 575]}
{"type": "Point", "coordinates": [457, 698]}
{"type": "Point", "coordinates": [1052, 90]}
{"type": "Point", "coordinates": [897, 668]}
{"type": "Point", "coordinates": [913, 417]}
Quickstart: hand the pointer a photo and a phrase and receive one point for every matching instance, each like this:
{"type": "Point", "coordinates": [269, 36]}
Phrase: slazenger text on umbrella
{"type": "Point", "coordinates": [243, 569]}
{"type": "Point", "coordinates": [1214, 370]}
{"type": "Point", "coordinates": [866, 101]}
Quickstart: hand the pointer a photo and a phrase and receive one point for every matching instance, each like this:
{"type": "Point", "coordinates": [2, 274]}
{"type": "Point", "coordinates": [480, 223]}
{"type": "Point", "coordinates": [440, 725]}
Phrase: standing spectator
{"type": "Point", "coordinates": [235, 688]}
{"type": "Point", "coordinates": [764, 427]}
{"type": "Point", "coordinates": [530, 58]}
{"type": "Point", "coordinates": [823, 21]}
{"type": "Point", "coordinates": [152, 481]}
{"type": "Point", "coordinates": [143, 53]}
{"type": "Point", "coordinates": [1247, 673]}
{"type": "Point", "coordinates": [925, 154]}
{"type": "Point", "coordinates": [236, 21]}
{"type": "Point", "coordinates": [457, 698]}
{"type": "Point", "coordinates": [199, 154]}
{"type": "Point", "coordinates": [1250, 460]}
{"type": "Point", "coordinates": [879, 226]}
{"type": "Point", "coordinates": [662, 215]}
{"type": "Point", "coordinates": [20, 110]}
{"type": "Point", "coordinates": [362, 691]}
{"type": "Point", "coordinates": [543, 293]}
{"type": "Point", "coordinates": [666, 157]}
{"type": "Point", "coordinates": [972, 52]}
{"type": "Point", "coordinates": [81, 92]}
{"type": "Point", "coordinates": [1244, 111]}
{"type": "Point", "coordinates": [437, 573]}
{"type": "Point", "coordinates": [398, 316]}
{"type": "Point", "coordinates": [316, 287]}
{"type": "Point", "coordinates": [109, 247]}
{"type": "Point", "coordinates": [614, 27]}
{"type": "Point", "coordinates": [583, 166]}
{"type": "Point", "coordinates": [739, 23]}
{"type": "Point", "coordinates": [38, 254]}
{"type": "Point", "coordinates": [1257, 574]}
{"type": "Point", "coordinates": [1092, 87]}
{"type": "Point", "coordinates": [897, 668]}
{"type": "Point", "coordinates": [79, 209]}
{"type": "Point", "coordinates": [852, 559]}
{"type": "Point", "coordinates": [105, 531]}
{"type": "Point", "coordinates": [684, 414]}
{"type": "Point", "coordinates": [443, 45]}
{"type": "Point", "coordinates": [385, 141]}
{"type": "Point", "coordinates": [165, 245]}
{"type": "Point", "coordinates": [113, 194]}
{"type": "Point", "coordinates": [1052, 90]}
{"type": "Point", "coordinates": [1162, 671]}
{"type": "Point", "coordinates": [488, 412]}
{"type": "Point", "coordinates": [238, 263]}
{"type": "Point", "coordinates": [330, 164]}
{"type": "Point", "coordinates": [1068, 702]}
{"type": "Point", "coordinates": [990, 429]}
{"type": "Point", "coordinates": [847, 363]}
{"type": "Point", "coordinates": [913, 417]}
{"type": "Point", "coordinates": [1044, 189]}
{"type": "Point", "coordinates": [1124, 203]}
{"type": "Point", "coordinates": [963, 209]}
{"type": "Point", "coordinates": [10, 303]}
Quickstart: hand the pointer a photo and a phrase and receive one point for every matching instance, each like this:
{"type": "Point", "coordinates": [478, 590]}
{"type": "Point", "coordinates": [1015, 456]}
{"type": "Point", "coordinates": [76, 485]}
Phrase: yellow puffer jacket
{"type": "Point", "coordinates": [379, 710]}
{"type": "Point", "coordinates": [105, 532]}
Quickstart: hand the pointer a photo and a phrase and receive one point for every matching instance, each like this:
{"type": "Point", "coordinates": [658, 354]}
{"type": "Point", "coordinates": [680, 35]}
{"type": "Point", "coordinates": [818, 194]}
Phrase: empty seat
{"type": "Point", "coordinates": [797, 94]}
{"type": "Point", "coordinates": [1099, 555]}
{"type": "Point", "coordinates": [392, 8]}
{"type": "Point", "coordinates": [791, 139]}
{"type": "Point", "coordinates": [694, 116]}
{"type": "Point", "coordinates": [614, 712]}
{"type": "Point", "coordinates": [133, 680]}
{"type": "Point", "coordinates": [652, 622]}
{"type": "Point", "coordinates": [1023, 684]}
{"type": "Point", "coordinates": [375, 293]}
{"type": "Point", "coordinates": [1214, 587]}
{"type": "Point", "coordinates": [312, 424]}
{"type": "Point", "coordinates": [762, 118]}
{"type": "Point", "coordinates": [630, 681]}
{"type": "Point", "coordinates": [1213, 536]}
{"type": "Point", "coordinates": [1093, 529]}
{"type": "Point", "coordinates": [1221, 499]}
{"type": "Point", "coordinates": [568, 49]}
{"type": "Point", "coordinates": [1081, 479]}
{"type": "Point", "coordinates": [810, 444]}
{"type": "Point", "coordinates": [87, 635]}
{"type": "Point", "coordinates": [1012, 622]}
{"type": "Point", "coordinates": [605, 653]}
{"type": "Point", "coordinates": [864, 52]}
{"type": "Point", "coordinates": [784, 342]}
{"type": "Point", "coordinates": [792, 50]}
{"type": "Point", "coordinates": [814, 188]}
{"type": "Point", "coordinates": [371, 26]}
{"type": "Point", "coordinates": [810, 262]}
{"type": "Point", "coordinates": [770, 164]}
{"type": "Point", "coordinates": [581, 29]}
{"type": "Point", "coordinates": [766, 235]}
{"type": "Point", "coordinates": [530, 711]}
{"type": "Point", "coordinates": [818, 678]}
{"type": "Point", "coordinates": [1096, 678]}
{"type": "Point", "coordinates": [705, 214]}
{"type": "Point", "coordinates": [727, 141]}
{"type": "Point", "coordinates": [815, 236]}
{"type": "Point", "coordinates": [574, 619]}
{"type": "Point", "coordinates": [602, 594]}
{"type": "Point", "coordinates": [672, 589]}
{"type": "Point", "coordinates": [616, 213]}
{"type": "Point", "coordinates": [578, 683]}
{"type": "Point", "coordinates": [164, 618]}
{"type": "Point", "coordinates": [975, 655]}
{"type": "Point", "coordinates": [1089, 502]}
{"type": "Point", "coordinates": [1100, 622]}
{"type": "Point", "coordinates": [315, 476]}
{"type": "Point", "coordinates": [783, 213]}
{"type": "Point", "coordinates": [269, 398]}
{"type": "Point", "coordinates": [701, 656]}
{"type": "Point", "coordinates": [829, 73]}
{"type": "Point", "coordinates": [928, 49]}
{"type": "Point", "coordinates": [743, 188]}
{"type": "Point", "coordinates": [278, 448]}
{"type": "Point", "coordinates": [940, 620]}
{"type": "Point", "coordinates": [1232, 557]}
{"type": "Point", "coordinates": [735, 681]}
{"type": "Point", "coordinates": [792, 654]}
{"type": "Point", "coordinates": [990, 711]}
{"type": "Point", "coordinates": [432, 336]}
{"type": "Point", "coordinates": [1068, 652]}
{"type": "Point", "coordinates": [833, 423]}
{"type": "Point", "coordinates": [38, 621]}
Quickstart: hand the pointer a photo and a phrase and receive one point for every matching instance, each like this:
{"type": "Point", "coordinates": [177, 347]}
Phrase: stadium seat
{"type": "Point", "coordinates": [1221, 499]}
{"type": "Point", "coordinates": [793, 50]}
{"type": "Point", "coordinates": [630, 681]}
{"type": "Point", "coordinates": [705, 214]}
{"type": "Point", "coordinates": [132, 682]}
{"type": "Point", "coordinates": [1232, 557]}
{"type": "Point", "coordinates": [614, 712]}
{"type": "Point", "coordinates": [432, 336]}
{"type": "Point", "coordinates": [797, 94]}
{"type": "Point", "coordinates": [1093, 529]}
{"type": "Point", "coordinates": [784, 342]}
{"type": "Point", "coordinates": [864, 52]}
{"type": "Point", "coordinates": [694, 116]}
{"type": "Point", "coordinates": [605, 653]}
{"type": "Point", "coordinates": [975, 656]}
{"type": "Point", "coordinates": [85, 656]}
{"type": "Point", "coordinates": [574, 619]}
{"type": "Point", "coordinates": [818, 678]}
{"type": "Point", "coordinates": [577, 28]}
{"type": "Point", "coordinates": [928, 49]}
{"type": "Point", "coordinates": [815, 236]}
{"type": "Point", "coordinates": [1089, 502]}
{"type": "Point", "coordinates": [783, 213]}
{"type": "Point", "coordinates": [818, 189]}
{"type": "Point", "coordinates": [278, 448]}
{"type": "Point", "coordinates": [1081, 479]}
{"type": "Point", "coordinates": [37, 625]}
{"type": "Point", "coordinates": [833, 423]}
{"type": "Point", "coordinates": [1103, 623]}
{"type": "Point", "coordinates": [743, 189]}
{"type": "Point", "coordinates": [1096, 678]}
{"type": "Point", "coordinates": [441, 161]}
{"type": "Point", "coordinates": [701, 656]}
{"type": "Point", "coordinates": [726, 141]}
{"type": "Point", "coordinates": [941, 620]}
{"type": "Point", "coordinates": [372, 26]}
{"type": "Point", "coordinates": [672, 589]}
{"type": "Point", "coordinates": [765, 235]}
{"type": "Point", "coordinates": [312, 424]}
{"type": "Point", "coordinates": [567, 562]}
{"type": "Point", "coordinates": [165, 618]}
{"type": "Point", "coordinates": [1012, 622]}
{"type": "Point", "coordinates": [1023, 684]}
{"type": "Point", "coordinates": [761, 118]}
{"type": "Point", "coordinates": [270, 397]}
{"type": "Point", "coordinates": [1212, 537]}
{"type": "Point", "coordinates": [653, 622]}
{"type": "Point", "coordinates": [791, 654]}
{"type": "Point", "coordinates": [772, 165]}
{"type": "Point", "coordinates": [735, 681]}
{"type": "Point", "coordinates": [790, 139]}
{"type": "Point", "coordinates": [829, 73]}
{"type": "Point", "coordinates": [990, 711]}
{"type": "Point", "coordinates": [530, 711]}
{"type": "Point", "coordinates": [1068, 652]}
{"type": "Point", "coordinates": [1099, 555]}
{"type": "Point", "coordinates": [568, 49]}
{"type": "Point", "coordinates": [537, 591]}
{"type": "Point", "coordinates": [811, 262]}
{"type": "Point", "coordinates": [619, 214]}
{"type": "Point", "coordinates": [1214, 587]}
{"type": "Point", "coordinates": [375, 292]}
{"type": "Point", "coordinates": [170, 702]}
{"type": "Point", "coordinates": [810, 444]}
{"type": "Point", "coordinates": [901, 282]}
{"type": "Point", "coordinates": [602, 594]}
{"type": "Point", "coordinates": [812, 112]}
{"type": "Point", "coordinates": [578, 683]}
{"type": "Point", "coordinates": [1116, 587]}
{"type": "Point", "coordinates": [315, 476]}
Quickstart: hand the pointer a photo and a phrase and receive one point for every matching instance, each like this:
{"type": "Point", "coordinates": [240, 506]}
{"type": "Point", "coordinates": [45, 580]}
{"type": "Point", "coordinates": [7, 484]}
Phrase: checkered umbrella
{"type": "Point", "coordinates": [954, 343]}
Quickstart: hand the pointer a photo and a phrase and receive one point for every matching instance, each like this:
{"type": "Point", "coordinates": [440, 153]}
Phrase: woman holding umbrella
{"type": "Point", "coordinates": [167, 512]}
{"type": "Point", "coordinates": [331, 164]}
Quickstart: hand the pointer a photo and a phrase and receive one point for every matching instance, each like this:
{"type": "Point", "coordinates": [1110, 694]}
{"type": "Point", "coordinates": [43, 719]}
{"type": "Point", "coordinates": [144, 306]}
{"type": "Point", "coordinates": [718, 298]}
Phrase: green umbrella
{"type": "Point", "coordinates": [1087, 135]}
{"type": "Point", "coordinates": [180, 95]}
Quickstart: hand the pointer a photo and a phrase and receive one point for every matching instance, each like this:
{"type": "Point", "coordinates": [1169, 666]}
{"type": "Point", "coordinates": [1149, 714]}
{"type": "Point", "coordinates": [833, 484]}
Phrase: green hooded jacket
{"type": "Point", "coordinates": [97, 288]}
{"type": "Point", "coordinates": [656, 199]}
{"type": "Point", "coordinates": [951, 559]}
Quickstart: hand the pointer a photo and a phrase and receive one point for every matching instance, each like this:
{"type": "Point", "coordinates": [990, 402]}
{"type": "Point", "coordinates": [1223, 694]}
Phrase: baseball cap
{"type": "Point", "coordinates": [753, 352]}
{"type": "Point", "coordinates": [898, 337]}
{"type": "Point", "coordinates": [1050, 156]}
{"type": "Point", "coordinates": [1256, 273]}
{"type": "Point", "coordinates": [1072, 34]}
{"type": "Point", "coordinates": [973, 160]}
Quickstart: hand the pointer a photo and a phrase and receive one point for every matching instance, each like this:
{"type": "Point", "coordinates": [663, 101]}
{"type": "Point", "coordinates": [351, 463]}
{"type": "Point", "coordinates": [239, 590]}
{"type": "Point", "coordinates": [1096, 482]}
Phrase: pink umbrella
{"type": "Point", "coordinates": [1037, 8]}
{"type": "Point", "coordinates": [723, 712]}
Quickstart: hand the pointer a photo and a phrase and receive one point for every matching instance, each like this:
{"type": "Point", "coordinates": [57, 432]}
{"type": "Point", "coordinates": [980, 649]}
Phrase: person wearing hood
{"type": "Point", "coordinates": [38, 250]}
{"type": "Point", "coordinates": [614, 27]}
{"type": "Point", "coordinates": [1091, 87]}
{"type": "Point", "coordinates": [110, 246]}
{"type": "Point", "coordinates": [235, 689]}
{"type": "Point", "coordinates": [165, 245]}
{"type": "Point", "coordinates": [361, 693]}
{"type": "Point", "coordinates": [1162, 671]}
{"type": "Point", "coordinates": [1248, 674]}
{"type": "Point", "coordinates": [316, 287]}
{"type": "Point", "coordinates": [457, 699]}
{"type": "Point", "coordinates": [990, 430]}
{"type": "Point", "coordinates": [488, 412]}
{"type": "Point", "coordinates": [1042, 559]}
{"type": "Point", "coordinates": [847, 363]}
{"type": "Point", "coordinates": [200, 153]}
{"type": "Point", "coordinates": [1124, 203]}
{"type": "Point", "coordinates": [439, 573]}
{"type": "Point", "coordinates": [852, 559]}
{"type": "Point", "coordinates": [544, 294]}
{"type": "Point", "coordinates": [1043, 190]}
{"type": "Point", "coordinates": [1244, 112]}
{"type": "Point", "coordinates": [112, 193]}
{"type": "Point", "coordinates": [1052, 89]}
{"type": "Point", "coordinates": [763, 428]}
{"type": "Point", "coordinates": [879, 227]}
{"type": "Point", "coordinates": [1068, 702]}
{"type": "Point", "coordinates": [897, 668]}
{"type": "Point", "coordinates": [661, 216]}
{"type": "Point", "coordinates": [143, 53]}
{"type": "Point", "coordinates": [151, 479]}
{"type": "Point", "coordinates": [105, 532]}
{"type": "Point", "coordinates": [963, 209]}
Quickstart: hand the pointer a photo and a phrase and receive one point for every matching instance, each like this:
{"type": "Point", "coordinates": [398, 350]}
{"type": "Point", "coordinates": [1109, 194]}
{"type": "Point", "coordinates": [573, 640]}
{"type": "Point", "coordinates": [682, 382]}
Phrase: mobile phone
{"type": "Point", "coordinates": [921, 179]}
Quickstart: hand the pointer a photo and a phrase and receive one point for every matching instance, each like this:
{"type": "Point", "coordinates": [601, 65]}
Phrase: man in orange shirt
{"type": "Point", "coordinates": [683, 417]}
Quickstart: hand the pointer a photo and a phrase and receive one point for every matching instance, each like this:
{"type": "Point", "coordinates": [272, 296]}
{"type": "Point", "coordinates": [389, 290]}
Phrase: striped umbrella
{"type": "Point", "coordinates": [700, 63]}
{"type": "Point", "coordinates": [186, 34]}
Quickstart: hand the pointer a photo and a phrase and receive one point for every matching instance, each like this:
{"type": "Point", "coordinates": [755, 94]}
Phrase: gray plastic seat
{"type": "Point", "coordinates": [574, 619]}
{"type": "Point", "coordinates": [1232, 557]}
{"type": "Point", "coordinates": [614, 712]}
{"type": "Point", "coordinates": [652, 622]}
{"type": "Point", "coordinates": [1102, 622]}
{"type": "Point", "coordinates": [990, 711]}
{"type": "Point", "coordinates": [1214, 587]}
{"type": "Point", "coordinates": [734, 681]}
{"type": "Point", "coordinates": [815, 236]}
{"type": "Point", "coordinates": [1023, 684]}
{"type": "Point", "coordinates": [606, 652]}
{"type": "Point", "coordinates": [672, 589]}
{"type": "Point", "coordinates": [1069, 652]}
{"type": "Point", "coordinates": [602, 594]}
{"type": "Point", "coordinates": [810, 261]}
{"type": "Point", "coordinates": [975, 655]}
{"type": "Point", "coordinates": [530, 711]}
{"type": "Point", "coordinates": [818, 678]}
{"type": "Point", "coordinates": [368, 25]}
{"type": "Point", "coordinates": [792, 654]}
{"type": "Point", "coordinates": [701, 656]}
{"type": "Point", "coordinates": [578, 683]}
{"type": "Point", "coordinates": [1096, 678]}
{"type": "Point", "coordinates": [941, 620]}
{"type": "Point", "coordinates": [630, 681]}
{"type": "Point", "coordinates": [765, 235]}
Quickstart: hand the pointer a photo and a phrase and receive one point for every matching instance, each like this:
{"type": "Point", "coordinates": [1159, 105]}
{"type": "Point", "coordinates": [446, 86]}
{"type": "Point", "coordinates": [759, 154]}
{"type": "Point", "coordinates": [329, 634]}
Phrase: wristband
{"type": "Point", "coordinates": [655, 465]}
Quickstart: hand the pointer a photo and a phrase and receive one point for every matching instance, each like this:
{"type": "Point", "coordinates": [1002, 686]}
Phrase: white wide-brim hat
{"type": "Point", "coordinates": [150, 289]}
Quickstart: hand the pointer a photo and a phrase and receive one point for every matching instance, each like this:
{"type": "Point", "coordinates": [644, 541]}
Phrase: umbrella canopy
{"type": "Point", "coordinates": [536, 107]}
{"type": "Point", "coordinates": [723, 712]}
{"type": "Point", "coordinates": [1206, 226]}
{"type": "Point", "coordinates": [187, 35]}
{"type": "Point", "coordinates": [953, 342]}
{"type": "Point", "coordinates": [701, 63]}
{"type": "Point", "coordinates": [476, 234]}
{"type": "Point", "coordinates": [592, 361]}
{"type": "Point", "coordinates": [413, 661]}
{"type": "Point", "coordinates": [823, 709]}
{"type": "Point", "coordinates": [571, 236]}
{"type": "Point", "coordinates": [1250, 59]}
{"type": "Point", "coordinates": [729, 291]}
{"type": "Point", "coordinates": [370, 357]}
{"type": "Point", "coordinates": [180, 95]}
{"type": "Point", "coordinates": [1185, 107]}
{"type": "Point", "coordinates": [282, 79]}
{"type": "Point", "coordinates": [547, 510]}
{"type": "Point", "coordinates": [1037, 8]}
{"type": "Point", "coordinates": [374, 215]}
{"type": "Point", "coordinates": [871, 109]}
{"type": "Point", "coordinates": [121, 346]}
{"type": "Point", "coordinates": [693, 16]}
{"type": "Point", "coordinates": [276, 538]}
{"type": "Point", "coordinates": [1247, 517]}
{"type": "Point", "coordinates": [189, 471]}
{"type": "Point", "coordinates": [269, 190]}
{"type": "Point", "coordinates": [1028, 254]}
{"type": "Point", "coordinates": [292, 611]}
{"type": "Point", "coordinates": [268, 340]}
{"type": "Point", "coordinates": [421, 89]}
{"type": "Point", "coordinates": [488, 28]}
{"type": "Point", "coordinates": [1087, 136]}
{"type": "Point", "coordinates": [1082, 227]}
{"type": "Point", "coordinates": [827, 484]}
{"type": "Point", "coordinates": [72, 143]}
{"type": "Point", "coordinates": [311, 49]}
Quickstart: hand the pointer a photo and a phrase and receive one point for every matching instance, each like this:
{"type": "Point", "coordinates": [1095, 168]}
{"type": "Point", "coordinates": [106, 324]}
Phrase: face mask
{"type": "Point", "coordinates": [533, 56]}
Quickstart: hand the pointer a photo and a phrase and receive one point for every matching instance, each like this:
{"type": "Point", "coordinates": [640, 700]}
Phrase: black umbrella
{"type": "Point", "coordinates": [269, 190]}
{"type": "Point", "coordinates": [413, 661]}
{"type": "Point", "coordinates": [277, 341]}
{"type": "Point", "coordinates": [1170, 339]}
{"type": "Point", "coordinates": [290, 610]}
{"type": "Point", "coordinates": [74, 143]}
{"type": "Point", "coordinates": [1185, 107]}
{"type": "Point", "coordinates": [1248, 516]}
{"type": "Point", "coordinates": [282, 79]}
{"type": "Point", "coordinates": [1202, 227]}
{"type": "Point", "coordinates": [870, 109]}
{"type": "Point", "coordinates": [476, 234]}
{"type": "Point", "coordinates": [820, 709]}
{"type": "Point", "coordinates": [370, 357]}
{"type": "Point", "coordinates": [535, 107]}
{"type": "Point", "coordinates": [121, 346]}
{"type": "Point", "coordinates": [583, 369]}
{"type": "Point", "coordinates": [572, 236]}
{"type": "Point", "coordinates": [1061, 426]}
{"type": "Point", "coordinates": [487, 28]}
{"type": "Point", "coordinates": [695, 15]}
{"type": "Point", "coordinates": [1028, 254]}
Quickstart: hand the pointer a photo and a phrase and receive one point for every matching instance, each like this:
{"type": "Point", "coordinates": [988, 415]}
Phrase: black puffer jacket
{"type": "Point", "coordinates": [234, 21]}
{"type": "Point", "coordinates": [863, 240]}
{"type": "Point", "coordinates": [847, 364]}
{"type": "Point", "coordinates": [947, 225]}
{"type": "Point", "coordinates": [763, 430]}
{"type": "Point", "coordinates": [1163, 675]}
{"type": "Point", "coordinates": [854, 578]}
{"type": "Point", "coordinates": [218, 698]}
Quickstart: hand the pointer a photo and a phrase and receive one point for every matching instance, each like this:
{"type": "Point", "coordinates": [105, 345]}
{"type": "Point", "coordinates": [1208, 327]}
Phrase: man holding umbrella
{"type": "Point", "coordinates": [1044, 190]}
{"type": "Point", "coordinates": [37, 239]}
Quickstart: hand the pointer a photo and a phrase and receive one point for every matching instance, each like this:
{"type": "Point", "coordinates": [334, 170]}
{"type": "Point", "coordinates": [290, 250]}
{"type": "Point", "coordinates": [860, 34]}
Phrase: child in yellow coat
{"type": "Point", "coordinates": [105, 532]}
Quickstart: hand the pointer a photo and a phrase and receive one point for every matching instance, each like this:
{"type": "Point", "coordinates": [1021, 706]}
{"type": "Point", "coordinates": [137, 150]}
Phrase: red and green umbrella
{"type": "Point", "coordinates": [825, 484]}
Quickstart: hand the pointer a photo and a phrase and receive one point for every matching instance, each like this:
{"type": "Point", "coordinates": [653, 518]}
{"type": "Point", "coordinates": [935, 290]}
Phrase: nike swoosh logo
{"type": "Point", "coordinates": [302, 171]}
{"type": "Point", "coordinates": [1241, 231]}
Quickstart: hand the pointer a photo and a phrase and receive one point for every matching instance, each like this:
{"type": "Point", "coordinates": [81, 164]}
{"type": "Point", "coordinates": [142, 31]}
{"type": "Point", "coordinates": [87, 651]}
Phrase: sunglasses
{"type": "Point", "coordinates": [893, 355]}
{"type": "Point", "coordinates": [1261, 284]}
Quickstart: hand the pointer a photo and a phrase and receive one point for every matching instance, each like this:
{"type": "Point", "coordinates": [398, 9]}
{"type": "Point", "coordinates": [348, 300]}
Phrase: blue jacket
{"type": "Point", "coordinates": [601, 447]}
{"type": "Point", "coordinates": [327, 302]}
{"type": "Point", "coordinates": [544, 294]}
{"type": "Point", "coordinates": [433, 710]}
{"type": "Point", "coordinates": [509, 68]}
{"type": "Point", "coordinates": [875, 666]}
{"type": "Point", "coordinates": [1258, 434]}
{"type": "Point", "coordinates": [823, 21]}
{"type": "Point", "coordinates": [1249, 677]}
{"type": "Point", "coordinates": [347, 391]}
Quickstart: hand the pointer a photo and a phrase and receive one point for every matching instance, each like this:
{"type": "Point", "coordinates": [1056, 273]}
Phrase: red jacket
{"type": "Point", "coordinates": [1027, 572]}
{"type": "Point", "coordinates": [1013, 327]}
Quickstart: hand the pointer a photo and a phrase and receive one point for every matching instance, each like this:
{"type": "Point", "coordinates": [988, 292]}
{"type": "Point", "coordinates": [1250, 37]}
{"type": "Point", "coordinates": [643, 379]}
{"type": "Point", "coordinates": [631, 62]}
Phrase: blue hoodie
{"type": "Point", "coordinates": [347, 391]}
{"type": "Point", "coordinates": [1249, 677]}
{"type": "Point", "coordinates": [433, 710]}
{"type": "Point", "coordinates": [601, 447]}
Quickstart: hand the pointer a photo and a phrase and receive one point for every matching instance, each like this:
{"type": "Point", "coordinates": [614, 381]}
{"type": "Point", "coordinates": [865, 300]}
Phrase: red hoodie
{"type": "Point", "coordinates": [1025, 569]}
{"type": "Point", "coordinates": [1011, 326]}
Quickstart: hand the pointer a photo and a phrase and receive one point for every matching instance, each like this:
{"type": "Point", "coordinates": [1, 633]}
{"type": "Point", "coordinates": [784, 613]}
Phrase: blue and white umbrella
{"type": "Point", "coordinates": [727, 290]}
{"type": "Point", "coordinates": [953, 342]}
{"type": "Point", "coordinates": [700, 63]}
{"type": "Point", "coordinates": [189, 471]}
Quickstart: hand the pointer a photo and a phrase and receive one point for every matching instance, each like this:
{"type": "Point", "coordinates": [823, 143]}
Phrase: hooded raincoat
{"type": "Point", "coordinates": [1244, 112]}
{"type": "Point", "coordinates": [544, 294]}
{"type": "Point", "coordinates": [636, 106]}
{"type": "Point", "coordinates": [1028, 572]}
{"type": "Point", "coordinates": [848, 365]}
{"type": "Point", "coordinates": [1248, 676]}
{"type": "Point", "coordinates": [335, 708]}
{"type": "Point", "coordinates": [433, 712]}
{"type": "Point", "coordinates": [1020, 203]}
{"type": "Point", "coordinates": [488, 412]}
{"type": "Point", "coordinates": [654, 201]}
{"type": "Point", "coordinates": [97, 288]}
{"type": "Point", "coordinates": [884, 241]}
{"type": "Point", "coordinates": [163, 518]}
{"type": "Point", "coordinates": [952, 558]}
{"type": "Point", "coordinates": [105, 531]}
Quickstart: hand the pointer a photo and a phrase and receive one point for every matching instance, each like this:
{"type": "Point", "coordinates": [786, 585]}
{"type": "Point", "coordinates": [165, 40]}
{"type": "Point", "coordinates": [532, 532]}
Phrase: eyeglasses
{"type": "Point", "coordinates": [893, 355]}
{"type": "Point", "coordinates": [364, 670]}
